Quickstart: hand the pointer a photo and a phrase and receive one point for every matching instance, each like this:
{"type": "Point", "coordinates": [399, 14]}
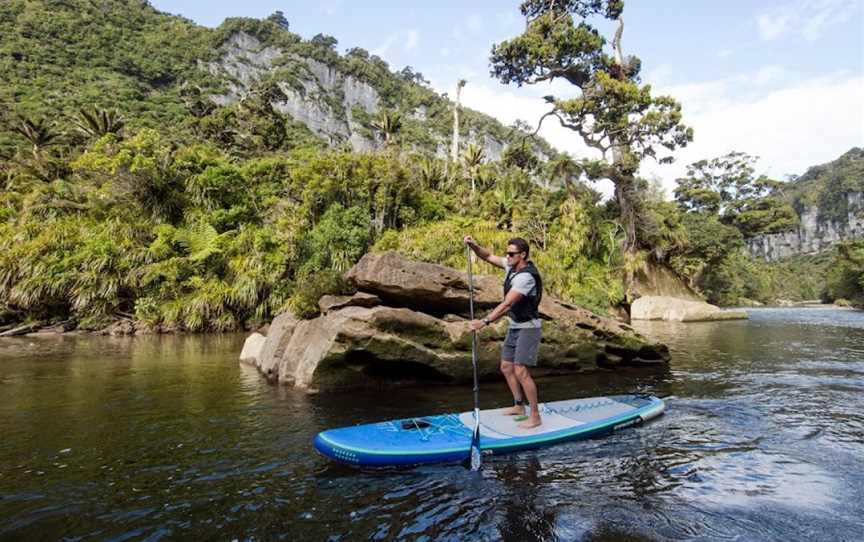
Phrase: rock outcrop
{"type": "Point", "coordinates": [680, 310]}
{"type": "Point", "coordinates": [662, 295]}
{"type": "Point", "coordinates": [659, 280]}
{"type": "Point", "coordinates": [813, 234]}
{"type": "Point", "coordinates": [252, 348]}
{"type": "Point", "coordinates": [417, 329]}
{"type": "Point", "coordinates": [330, 303]}
{"type": "Point", "coordinates": [328, 102]}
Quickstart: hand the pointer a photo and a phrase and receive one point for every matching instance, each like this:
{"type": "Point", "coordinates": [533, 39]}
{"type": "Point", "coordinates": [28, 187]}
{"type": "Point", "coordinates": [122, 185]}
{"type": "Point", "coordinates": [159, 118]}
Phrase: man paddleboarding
{"type": "Point", "coordinates": [523, 290]}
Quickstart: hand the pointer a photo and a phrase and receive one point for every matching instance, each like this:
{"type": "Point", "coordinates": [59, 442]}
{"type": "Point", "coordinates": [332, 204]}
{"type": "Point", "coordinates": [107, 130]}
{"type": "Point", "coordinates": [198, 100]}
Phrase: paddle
{"type": "Point", "coordinates": [476, 459]}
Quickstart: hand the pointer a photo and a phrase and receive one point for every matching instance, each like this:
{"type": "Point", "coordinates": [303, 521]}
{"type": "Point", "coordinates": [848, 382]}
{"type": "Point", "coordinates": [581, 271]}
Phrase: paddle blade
{"type": "Point", "coordinates": [476, 457]}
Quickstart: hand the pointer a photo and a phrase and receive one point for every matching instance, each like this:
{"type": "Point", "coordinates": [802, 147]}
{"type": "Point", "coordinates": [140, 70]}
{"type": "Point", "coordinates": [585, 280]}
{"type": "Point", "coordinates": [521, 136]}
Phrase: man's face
{"type": "Point", "coordinates": [514, 255]}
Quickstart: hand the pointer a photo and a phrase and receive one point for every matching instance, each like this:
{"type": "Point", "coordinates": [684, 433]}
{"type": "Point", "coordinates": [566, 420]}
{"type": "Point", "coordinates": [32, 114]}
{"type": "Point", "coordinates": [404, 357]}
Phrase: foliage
{"type": "Point", "coordinates": [337, 241]}
{"type": "Point", "coordinates": [846, 274]}
{"type": "Point", "coordinates": [580, 263]}
{"type": "Point", "coordinates": [612, 114]}
{"type": "Point", "coordinates": [99, 122]}
{"type": "Point", "coordinates": [126, 192]}
{"type": "Point", "coordinates": [727, 186]}
{"type": "Point", "coordinates": [387, 124]}
{"type": "Point", "coordinates": [827, 186]}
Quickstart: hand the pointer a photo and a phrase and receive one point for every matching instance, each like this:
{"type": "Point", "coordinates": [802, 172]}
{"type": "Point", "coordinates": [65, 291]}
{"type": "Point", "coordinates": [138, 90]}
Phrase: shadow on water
{"type": "Point", "coordinates": [170, 438]}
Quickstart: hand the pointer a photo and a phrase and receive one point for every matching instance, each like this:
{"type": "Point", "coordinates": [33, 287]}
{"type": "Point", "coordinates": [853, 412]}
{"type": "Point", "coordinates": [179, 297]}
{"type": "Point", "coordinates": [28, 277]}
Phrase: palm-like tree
{"type": "Point", "coordinates": [431, 173]}
{"type": "Point", "coordinates": [388, 124]}
{"type": "Point", "coordinates": [39, 132]}
{"type": "Point", "coordinates": [473, 158]}
{"type": "Point", "coordinates": [566, 170]}
{"type": "Point", "coordinates": [99, 122]}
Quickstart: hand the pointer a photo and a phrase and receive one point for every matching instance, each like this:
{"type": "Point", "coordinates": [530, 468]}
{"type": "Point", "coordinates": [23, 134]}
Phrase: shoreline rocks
{"type": "Point", "coordinates": [409, 321]}
{"type": "Point", "coordinates": [680, 310]}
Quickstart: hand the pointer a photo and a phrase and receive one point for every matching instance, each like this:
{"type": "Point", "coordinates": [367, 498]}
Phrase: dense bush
{"type": "Point", "coordinates": [191, 215]}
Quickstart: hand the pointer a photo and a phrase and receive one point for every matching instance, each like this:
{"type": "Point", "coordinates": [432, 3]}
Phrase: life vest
{"type": "Point", "coordinates": [527, 308]}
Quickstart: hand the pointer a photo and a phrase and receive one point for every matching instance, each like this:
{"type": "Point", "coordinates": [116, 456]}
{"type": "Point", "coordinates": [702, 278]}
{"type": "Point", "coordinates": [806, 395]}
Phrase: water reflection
{"type": "Point", "coordinates": [169, 437]}
{"type": "Point", "coordinates": [525, 514]}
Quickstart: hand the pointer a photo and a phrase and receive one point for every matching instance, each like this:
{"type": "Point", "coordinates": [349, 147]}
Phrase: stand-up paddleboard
{"type": "Point", "coordinates": [447, 437]}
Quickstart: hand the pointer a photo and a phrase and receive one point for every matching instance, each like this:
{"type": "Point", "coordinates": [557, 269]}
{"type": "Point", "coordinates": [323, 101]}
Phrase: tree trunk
{"type": "Point", "coordinates": [625, 196]}
{"type": "Point", "coordinates": [454, 150]}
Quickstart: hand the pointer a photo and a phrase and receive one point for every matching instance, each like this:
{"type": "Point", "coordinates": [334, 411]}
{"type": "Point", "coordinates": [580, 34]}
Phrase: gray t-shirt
{"type": "Point", "coordinates": [525, 284]}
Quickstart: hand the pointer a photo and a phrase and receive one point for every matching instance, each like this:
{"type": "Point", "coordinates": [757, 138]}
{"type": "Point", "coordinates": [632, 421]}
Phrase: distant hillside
{"type": "Point", "coordinates": [829, 200]}
{"type": "Point", "coordinates": [825, 185]}
{"type": "Point", "coordinates": [57, 56]}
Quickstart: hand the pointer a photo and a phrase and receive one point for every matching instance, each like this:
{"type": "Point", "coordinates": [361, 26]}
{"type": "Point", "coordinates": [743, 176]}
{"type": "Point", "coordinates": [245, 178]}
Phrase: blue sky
{"type": "Point", "coordinates": [780, 79]}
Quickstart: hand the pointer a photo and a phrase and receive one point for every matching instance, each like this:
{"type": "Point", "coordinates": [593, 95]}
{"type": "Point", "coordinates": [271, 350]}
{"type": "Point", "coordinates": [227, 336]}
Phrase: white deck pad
{"type": "Point", "coordinates": [556, 416]}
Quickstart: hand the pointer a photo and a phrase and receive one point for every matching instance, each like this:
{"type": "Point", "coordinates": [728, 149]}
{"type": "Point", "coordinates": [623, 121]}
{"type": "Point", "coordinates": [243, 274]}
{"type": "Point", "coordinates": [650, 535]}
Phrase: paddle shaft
{"type": "Point", "coordinates": [475, 440]}
{"type": "Point", "coordinates": [473, 333]}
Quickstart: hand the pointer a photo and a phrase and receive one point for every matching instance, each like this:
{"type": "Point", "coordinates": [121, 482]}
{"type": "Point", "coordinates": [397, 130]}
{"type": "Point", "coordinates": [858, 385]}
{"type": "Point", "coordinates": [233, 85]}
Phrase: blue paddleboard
{"type": "Point", "coordinates": [447, 437]}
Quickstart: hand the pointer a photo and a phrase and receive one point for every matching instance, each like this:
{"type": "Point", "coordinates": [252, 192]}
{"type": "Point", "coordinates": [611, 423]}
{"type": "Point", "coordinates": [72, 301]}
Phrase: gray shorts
{"type": "Point", "coordinates": [521, 345]}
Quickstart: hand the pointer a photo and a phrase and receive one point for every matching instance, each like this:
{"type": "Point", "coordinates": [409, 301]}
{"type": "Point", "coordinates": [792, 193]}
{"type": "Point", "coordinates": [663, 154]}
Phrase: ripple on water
{"type": "Point", "coordinates": [762, 440]}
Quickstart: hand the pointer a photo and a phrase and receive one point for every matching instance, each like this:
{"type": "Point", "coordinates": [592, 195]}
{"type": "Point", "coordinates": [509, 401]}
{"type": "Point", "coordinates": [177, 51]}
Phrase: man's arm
{"type": "Point", "coordinates": [510, 299]}
{"type": "Point", "coordinates": [484, 254]}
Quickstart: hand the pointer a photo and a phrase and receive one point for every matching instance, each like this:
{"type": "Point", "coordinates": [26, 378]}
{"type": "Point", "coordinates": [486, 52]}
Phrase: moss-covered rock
{"type": "Point", "coordinates": [355, 346]}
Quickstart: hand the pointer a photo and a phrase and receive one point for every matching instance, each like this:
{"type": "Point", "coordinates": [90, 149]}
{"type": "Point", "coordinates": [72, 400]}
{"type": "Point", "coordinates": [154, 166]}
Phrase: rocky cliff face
{"type": "Point", "coordinates": [812, 235]}
{"type": "Point", "coordinates": [319, 96]}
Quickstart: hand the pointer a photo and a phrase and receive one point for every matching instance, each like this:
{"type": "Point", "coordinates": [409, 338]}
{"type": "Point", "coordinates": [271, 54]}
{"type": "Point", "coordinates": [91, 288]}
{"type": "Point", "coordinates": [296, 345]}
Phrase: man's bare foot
{"type": "Point", "coordinates": [531, 423]}
{"type": "Point", "coordinates": [515, 410]}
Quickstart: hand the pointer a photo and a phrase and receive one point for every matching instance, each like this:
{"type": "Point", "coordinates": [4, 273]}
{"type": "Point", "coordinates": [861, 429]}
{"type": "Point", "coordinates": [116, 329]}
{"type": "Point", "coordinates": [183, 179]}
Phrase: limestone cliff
{"type": "Point", "coordinates": [334, 105]}
{"type": "Point", "coordinates": [829, 199]}
{"type": "Point", "coordinates": [814, 233]}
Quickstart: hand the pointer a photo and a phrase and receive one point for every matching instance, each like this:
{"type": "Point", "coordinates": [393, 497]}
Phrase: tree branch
{"type": "Point", "coordinates": [616, 43]}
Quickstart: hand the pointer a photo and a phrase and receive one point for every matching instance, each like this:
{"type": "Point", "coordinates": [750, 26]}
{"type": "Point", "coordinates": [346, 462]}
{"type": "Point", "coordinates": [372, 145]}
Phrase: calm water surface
{"type": "Point", "coordinates": [157, 438]}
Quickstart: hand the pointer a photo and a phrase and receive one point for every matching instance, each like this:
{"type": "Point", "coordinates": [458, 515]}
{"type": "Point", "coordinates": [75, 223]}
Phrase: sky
{"type": "Point", "coordinates": [779, 79]}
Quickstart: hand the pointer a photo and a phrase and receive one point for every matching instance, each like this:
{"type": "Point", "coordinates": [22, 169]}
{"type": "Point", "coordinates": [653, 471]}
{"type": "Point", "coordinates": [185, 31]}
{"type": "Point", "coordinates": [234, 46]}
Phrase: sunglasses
{"type": "Point", "coordinates": [511, 254]}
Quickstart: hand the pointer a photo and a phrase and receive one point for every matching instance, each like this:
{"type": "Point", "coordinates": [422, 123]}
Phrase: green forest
{"type": "Point", "coordinates": [130, 195]}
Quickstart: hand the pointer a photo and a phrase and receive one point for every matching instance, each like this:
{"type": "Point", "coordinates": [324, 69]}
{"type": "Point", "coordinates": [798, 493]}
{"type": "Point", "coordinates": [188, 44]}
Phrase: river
{"type": "Point", "coordinates": [168, 437]}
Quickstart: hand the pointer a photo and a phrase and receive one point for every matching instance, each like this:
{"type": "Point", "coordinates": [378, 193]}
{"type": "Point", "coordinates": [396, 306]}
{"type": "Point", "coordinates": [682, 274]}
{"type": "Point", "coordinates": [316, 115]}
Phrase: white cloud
{"type": "Point", "coordinates": [474, 23]}
{"type": "Point", "coordinates": [408, 38]}
{"type": "Point", "coordinates": [412, 38]}
{"type": "Point", "coordinates": [507, 19]}
{"type": "Point", "coordinates": [789, 128]}
{"type": "Point", "coordinates": [809, 18]}
{"type": "Point", "coordinates": [725, 53]}
{"type": "Point", "coordinates": [768, 74]}
{"type": "Point", "coordinates": [773, 25]}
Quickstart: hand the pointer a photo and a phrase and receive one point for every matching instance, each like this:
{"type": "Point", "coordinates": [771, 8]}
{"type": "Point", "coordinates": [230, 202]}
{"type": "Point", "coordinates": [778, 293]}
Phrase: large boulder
{"type": "Point", "coordinates": [659, 280]}
{"type": "Point", "coordinates": [431, 288]}
{"type": "Point", "coordinates": [679, 310]}
{"type": "Point", "coordinates": [278, 335]}
{"type": "Point", "coordinates": [252, 348]}
{"type": "Point", "coordinates": [418, 330]}
{"type": "Point", "coordinates": [358, 345]}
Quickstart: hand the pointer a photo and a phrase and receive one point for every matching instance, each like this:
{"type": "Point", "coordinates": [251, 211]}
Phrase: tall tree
{"type": "Point", "coordinates": [99, 122]}
{"type": "Point", "coordinates": [454, 150]}
{"type": "Point", "coordinates": [38, 132]}
{"type": "Point", "coordinates": [613, 113]}
{"type": "Point", "coordinates": [388, 124]}
{"type": "Point", "coordinates": [729, 188]}
{"type": "Point", "coordinates": [430, 173]}
{"type": "Point", "coordinates": [279, 19]}
{"type": "Point", "coordinates": [473, 158]}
